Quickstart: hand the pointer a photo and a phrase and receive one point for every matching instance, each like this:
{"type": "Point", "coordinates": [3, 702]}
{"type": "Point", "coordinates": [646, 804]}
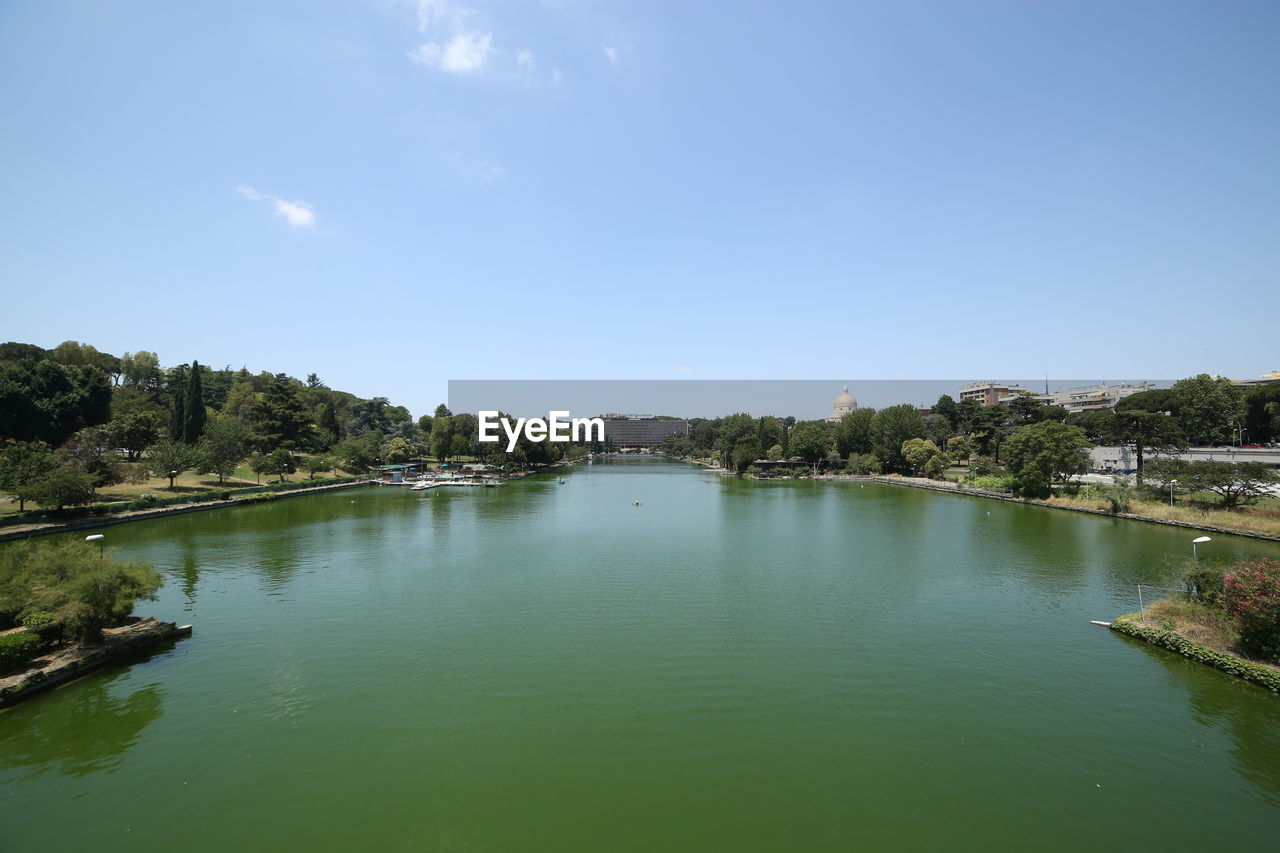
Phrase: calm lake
{"type": "Point", "coordinates": [728, 666]}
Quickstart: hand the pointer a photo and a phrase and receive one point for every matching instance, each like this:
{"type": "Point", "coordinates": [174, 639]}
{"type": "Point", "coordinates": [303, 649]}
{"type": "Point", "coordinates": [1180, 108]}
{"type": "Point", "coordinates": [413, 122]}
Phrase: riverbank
{"type": "Point", "coordinates": [69, 662]}
{"type": "Point", "coordinates": [1262, 674]}
{"type": "Point", "coordinates": [955, 488]}
{"type": "Point", "coordinates": [28, 530]}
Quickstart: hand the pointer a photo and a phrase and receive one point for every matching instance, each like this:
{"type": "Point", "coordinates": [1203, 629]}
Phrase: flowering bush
{"type": "Point", "coordinates": [1251, 594]}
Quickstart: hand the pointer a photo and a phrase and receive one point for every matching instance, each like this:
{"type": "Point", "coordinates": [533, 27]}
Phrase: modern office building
{"type": "Point", "coordinates": [1094, 398]}
{"type": "Point", "coordinates": [641, 433]}
{"type": "Point", "coordinates": [990, 393]}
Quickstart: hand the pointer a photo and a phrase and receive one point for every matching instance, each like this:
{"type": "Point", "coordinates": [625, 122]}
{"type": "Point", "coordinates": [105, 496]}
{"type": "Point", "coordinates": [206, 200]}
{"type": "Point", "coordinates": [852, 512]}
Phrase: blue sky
{"type": "Point", "coordinates": [395, 194]}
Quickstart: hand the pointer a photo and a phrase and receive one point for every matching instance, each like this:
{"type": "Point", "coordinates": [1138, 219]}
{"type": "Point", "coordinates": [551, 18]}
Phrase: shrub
{"type": "Point", "coordinates": [261, 497]}
{"type": "Point", "coordinates": [992, 481]}
{"type": "Point", "coordinates": [18, 649]}
{"type": "Point", "coordinates": [44, 624]}
{"type": "Point", "coordinates": [1251, 594]}
{"type": "Point", "coordinates": [1203, 584]}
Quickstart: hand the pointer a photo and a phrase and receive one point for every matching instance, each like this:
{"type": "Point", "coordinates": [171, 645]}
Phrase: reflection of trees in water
{"type": "Point", "coordinates": [1249, 714]}
{"type": "Point", "coordinates": [79, 730]}
{"type": "Point", "coordinates": [1252, 718]}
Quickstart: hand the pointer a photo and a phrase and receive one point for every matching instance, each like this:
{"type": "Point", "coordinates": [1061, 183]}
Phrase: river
{"type": "Point", "coordinates": [729, 665]}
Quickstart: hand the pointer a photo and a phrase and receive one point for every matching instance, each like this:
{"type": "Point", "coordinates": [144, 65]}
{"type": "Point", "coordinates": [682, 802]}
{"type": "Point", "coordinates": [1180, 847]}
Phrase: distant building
{"type": "Point", "coordinates": [641, 433]}
{"type": "Point", "coordinates": [844, 404]}
{"type": "Point", "coordinates": [1264, 379]}
{"type": "Point", "coordinates": [990, 393]}
{"type": "Point", "coordinates": [1093, 398]}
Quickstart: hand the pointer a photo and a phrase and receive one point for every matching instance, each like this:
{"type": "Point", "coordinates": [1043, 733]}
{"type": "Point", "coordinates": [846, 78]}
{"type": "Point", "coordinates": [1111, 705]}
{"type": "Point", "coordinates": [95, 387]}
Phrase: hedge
{"type": "Point", "coordinates": [1263, 676]}
{"type": "Point", "coordinates": [18, 649]}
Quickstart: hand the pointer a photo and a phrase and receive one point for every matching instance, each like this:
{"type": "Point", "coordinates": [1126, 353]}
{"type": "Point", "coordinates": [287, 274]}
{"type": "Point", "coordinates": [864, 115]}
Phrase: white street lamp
{"type": "Point", "coordinates": [1172, 483]}
{"type": "Point", "coordinates": [1197, 541]}
{"type": "Point", "coordinates": [100, 539]}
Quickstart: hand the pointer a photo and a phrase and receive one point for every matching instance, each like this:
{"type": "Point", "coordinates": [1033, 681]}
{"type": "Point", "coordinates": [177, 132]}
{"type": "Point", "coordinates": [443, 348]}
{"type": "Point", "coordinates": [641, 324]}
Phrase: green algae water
{"type": "Point", "coordinates": [727, 666]}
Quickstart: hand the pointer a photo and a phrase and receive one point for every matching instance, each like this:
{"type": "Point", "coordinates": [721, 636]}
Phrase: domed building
{"type": "Point", "coordinates": [843, 406]}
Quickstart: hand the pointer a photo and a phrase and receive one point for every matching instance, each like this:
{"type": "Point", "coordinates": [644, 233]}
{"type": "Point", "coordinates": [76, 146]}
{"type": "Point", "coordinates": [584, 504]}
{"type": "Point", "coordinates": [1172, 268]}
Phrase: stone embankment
{"type": "Point", "coordinates": [69, 662]}
{"type": "Point", "coordinates": [26, 530]}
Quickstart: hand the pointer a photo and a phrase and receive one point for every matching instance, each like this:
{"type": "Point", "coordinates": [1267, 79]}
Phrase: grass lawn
{"type": "Point", "coordinates": [187, 483]}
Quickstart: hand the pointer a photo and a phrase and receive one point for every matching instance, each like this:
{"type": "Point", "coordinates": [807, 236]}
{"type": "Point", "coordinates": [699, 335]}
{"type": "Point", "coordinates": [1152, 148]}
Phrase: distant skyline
{"type": "Point", "coordinates": [396, 194]}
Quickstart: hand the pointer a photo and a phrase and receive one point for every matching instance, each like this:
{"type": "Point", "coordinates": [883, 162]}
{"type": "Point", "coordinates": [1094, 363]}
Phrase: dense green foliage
{"type": "Point", "coordinates": [83, 589]}
{"type": "Point", "coordinates": [18, 649]}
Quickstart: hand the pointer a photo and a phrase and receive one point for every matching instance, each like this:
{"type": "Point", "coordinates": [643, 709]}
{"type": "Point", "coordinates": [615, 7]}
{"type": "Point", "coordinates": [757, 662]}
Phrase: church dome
{"type": "Point", "coordinates": [844, 400]}
{"type": "Point", "coordinates": [843, 406]}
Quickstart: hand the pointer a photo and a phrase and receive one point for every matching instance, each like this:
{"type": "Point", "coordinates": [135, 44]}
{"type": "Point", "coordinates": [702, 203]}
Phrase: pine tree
{"type": "Point", "coordinates": [193, 418]}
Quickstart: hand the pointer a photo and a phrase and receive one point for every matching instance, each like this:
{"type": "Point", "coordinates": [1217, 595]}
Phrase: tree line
{"type": "Point", "coordinates": [1032, 443]}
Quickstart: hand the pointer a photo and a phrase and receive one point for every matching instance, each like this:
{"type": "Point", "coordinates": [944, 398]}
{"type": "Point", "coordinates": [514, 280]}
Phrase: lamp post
{"type": "Point", "coordinates": [100, 539]}
{"type": "Point", "coordinates": [1195, 542]}
{"type": "Point", "coordinates": [1172, 483]}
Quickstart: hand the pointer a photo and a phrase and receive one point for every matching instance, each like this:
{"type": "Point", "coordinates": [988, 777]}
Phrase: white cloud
{"type": "Point", "coordinates": [556, 75]}
{"type": "Point", "coordinates": [684, 370]}
{"type": "Point", "coordinates": [611, 52]}
{"type": "Point", "coordinates": [524, 60]}
{"type": "Point", "coordinates": [465, 53]}
{"type": "Point", "coordinates": [297, 213]}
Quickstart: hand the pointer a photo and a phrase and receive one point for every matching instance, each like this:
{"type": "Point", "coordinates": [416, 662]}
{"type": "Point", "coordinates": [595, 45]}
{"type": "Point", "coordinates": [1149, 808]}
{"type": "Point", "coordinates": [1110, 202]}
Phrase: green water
{"type": "Point", "coordinates": [728, 666]}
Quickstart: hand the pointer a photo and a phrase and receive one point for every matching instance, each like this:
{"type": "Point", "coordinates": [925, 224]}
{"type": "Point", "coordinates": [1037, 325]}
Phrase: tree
{"type": "Point", "coordinates": [279, 462]}
{"type": "Point", "coordinates": [1145, 431]}
{"type": "Point", "coordinates": [141, 370]}
{"type": "Point", "coordinates": [867, 463]}
{"type": "Point", "coordinates": [84, 590]}
{"type": "Point", "coordinates": [853, 432]}
{"type": "Point", "coordinates": [441, 436]}
{"type": "Point", "coordinates": [91, 449]}
{"type": "Point", "coordinates": [279, 417]}
{"type": "Point", "coordinates": [936, 466]}
{"type": "Point", "coordinates": [988, 428]}
{"type": "Point", "coordinates": [65, 484]}
{"type": "Point", "coordinates": [240, 401]}
{"type": "Point", "coordinates": [317, 463]}
{"type": "Point", "coordinates": [169, 458]}
{"type": "Point", "coordinates": [1208, 409]}
{"type": "Point", "coordinates": [178, 414]}
{"type": "Point", "coordinates": [917, 452]}
{"type": "Point", "coordinates": [1047, 451]}
{"type": "Point", "coordinates": [937, 429]}
{"type": "Point", "coordinates": [47, 401]}
{"type": "Point", "coordinates": [948, 408]}
{"type": "Point", "coordinates": [744, 454]}
{"type": "Point", "coordinates": [357, 454]}
{"type": "Point", "coordinates": [1235, 484]}
{"type": "Point", "coordinates": [23, 468]}
{"type": "Point", "coordinates": [398, 450]}
{"type": "Point", "coordinates": [134, 432]}
{"type": "Point", "coordinates": [736, 428]}
{"type": "Point", "coordinates": [194, 416]}
{"type": "Point", "coordinates": [768, 432]}
{"type": "Point", "coordinates": [889, 429]}
{"type": "Point", "coordinates": [1262, 412]}
{"type": "Point", "coordinates": [1024, 409]}
{"type": "Point", "coordinates": [958, 448]}
{"type": "Point", "coordinates": [460, 445]}
{"type": "Point", "coordinates": [222, 448]}
{"type": "Point", "coordinates": [811, 441]}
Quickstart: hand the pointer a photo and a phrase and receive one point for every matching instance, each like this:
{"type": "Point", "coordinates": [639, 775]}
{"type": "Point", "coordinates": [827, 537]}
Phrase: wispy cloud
{"type": "Point", "coordinates": [297, 213]}
{"type": "Point", "coordinates": [457, 48]}
{"type": "Point", "coordinates": [611, 52]}
{"type": "Point", "coordinates": [524, 61]}
{"type": "Point", "coordinates": [684, 370]}
{"type": "Point", "coordinates": [465, 53]}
